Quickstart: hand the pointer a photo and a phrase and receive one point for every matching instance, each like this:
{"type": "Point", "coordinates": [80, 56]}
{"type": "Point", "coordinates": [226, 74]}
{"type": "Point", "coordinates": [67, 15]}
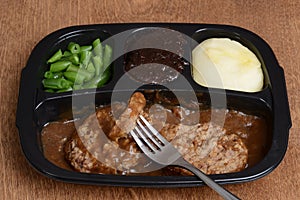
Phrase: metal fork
{"type": "Point", "coordinates": [157, 148]}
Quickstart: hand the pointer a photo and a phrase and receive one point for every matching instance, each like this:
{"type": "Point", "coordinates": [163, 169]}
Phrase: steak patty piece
{"type": "Point", "coordinates": [127, 120]}
{"type": "Point", "coordinates": [209, 148]}
{"type": "Point", "coordinates": [102, 145]}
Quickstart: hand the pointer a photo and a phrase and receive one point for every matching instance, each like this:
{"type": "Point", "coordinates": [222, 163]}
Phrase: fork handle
{"type": "Point", "coordinates": [208, 181]}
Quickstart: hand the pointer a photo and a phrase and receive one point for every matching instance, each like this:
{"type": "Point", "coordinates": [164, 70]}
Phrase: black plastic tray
{"type": "Point", "coordinates": [36, 107]}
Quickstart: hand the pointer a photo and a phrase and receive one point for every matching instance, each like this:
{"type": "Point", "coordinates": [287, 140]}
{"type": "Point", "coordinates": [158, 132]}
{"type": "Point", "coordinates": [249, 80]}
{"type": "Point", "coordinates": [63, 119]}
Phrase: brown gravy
{"type": "Point", "coordinates": [252, 129]}
{"type": "Point", "coordinates": [54, 136]}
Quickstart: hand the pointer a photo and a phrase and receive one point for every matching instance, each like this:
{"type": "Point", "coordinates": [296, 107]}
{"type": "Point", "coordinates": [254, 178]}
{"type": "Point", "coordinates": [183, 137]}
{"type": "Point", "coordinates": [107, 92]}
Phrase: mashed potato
{"type": "Point", "coordinates": [225, 63]}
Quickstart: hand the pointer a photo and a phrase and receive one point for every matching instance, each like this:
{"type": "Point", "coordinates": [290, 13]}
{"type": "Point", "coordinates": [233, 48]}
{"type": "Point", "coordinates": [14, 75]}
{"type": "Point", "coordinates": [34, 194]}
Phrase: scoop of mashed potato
{"type": "Point", "coordinates": [225, 63]}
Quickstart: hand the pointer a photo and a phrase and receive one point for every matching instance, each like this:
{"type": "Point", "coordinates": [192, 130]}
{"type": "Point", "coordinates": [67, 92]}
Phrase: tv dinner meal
{"type": "Point", "coordinates": [72, 129]}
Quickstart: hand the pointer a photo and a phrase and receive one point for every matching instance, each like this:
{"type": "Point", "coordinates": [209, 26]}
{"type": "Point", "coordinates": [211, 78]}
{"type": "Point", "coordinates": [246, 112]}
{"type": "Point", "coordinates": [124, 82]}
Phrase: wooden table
{"type": "Point", "coordinates": [24, 23]}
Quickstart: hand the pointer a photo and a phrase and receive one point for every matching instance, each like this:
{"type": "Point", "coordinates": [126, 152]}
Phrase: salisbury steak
{"type": "Point", "coordinates": [102, 144]}
{"type": "Point", "coordinates": [100, 139]}
{"type": "Point", "coordinates": [209, 148]}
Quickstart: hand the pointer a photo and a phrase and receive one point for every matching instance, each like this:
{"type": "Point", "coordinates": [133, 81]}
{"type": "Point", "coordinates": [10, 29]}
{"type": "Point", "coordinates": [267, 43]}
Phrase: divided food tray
{"type": "Point", "coordinates": [37, 107]}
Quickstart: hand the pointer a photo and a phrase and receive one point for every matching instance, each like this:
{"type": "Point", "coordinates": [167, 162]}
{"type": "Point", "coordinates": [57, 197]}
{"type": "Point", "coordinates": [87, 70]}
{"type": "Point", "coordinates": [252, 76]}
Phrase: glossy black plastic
{"type": "Point", "coordinates": [36, 107]}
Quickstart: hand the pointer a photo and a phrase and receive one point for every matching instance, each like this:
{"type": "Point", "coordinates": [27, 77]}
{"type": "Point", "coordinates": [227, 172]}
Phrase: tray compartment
{"type": "Point", "coordinates": [56, 109]}
{"type": "Point", "coordinates": [206, 33]}
{"type": "Point", "coordinates": [49, 46]}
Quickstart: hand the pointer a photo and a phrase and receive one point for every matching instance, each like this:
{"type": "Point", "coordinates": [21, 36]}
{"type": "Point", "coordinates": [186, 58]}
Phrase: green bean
{"type": "Point", "coordinates": [88, 76]}
{"type": "Point", "coordinates": [71, 83]}
{"type": "Point", "coordinates": [96, 42]}
{"type": "Point", "coordinates": [49, 90]}
{"type": "Point", "coordinates": [85, 57]}
{"type": "Point", "coordinates": [98, 64]}
{"type": "Point", "coordinates": [98, 81]}
{"type": "Point", "coordinates": [81, 66]}
{"type": "Point", "coordinates": [74, 59]}
{"type": "Point", "coordinates": [72, 68]}
{"type": "Point", "coordinates": [90, 67]}
{"type": "Point", "coordinates": [65, 90]}
{"type": "Point", "coordinates": [49, 74]}
{"type": "Point", "coordinates": [75, 77]}
{"type": "Point", "coordinates": [104, 78]}
{"type": "Point", "coordinates": [67, 54]}
{"type": "Point", "coordinates": [55, 57]}
{"type": "Point", "coordinates": [81, 72]}
{"type": "Point", "coordinates": [107, 56]}
{"type": "Point", "coordinates": [59, 66]}
{"type": "Point", "coordinates": [77, 87]}
{"type": "Point", "coordinates": [97, 48]}
{"type": "Point", "coordinates": [86, 48]}
{"type": "Point", "coordinates": [58, 83]}
{"type": "Point", "coordinates": [74, 47]}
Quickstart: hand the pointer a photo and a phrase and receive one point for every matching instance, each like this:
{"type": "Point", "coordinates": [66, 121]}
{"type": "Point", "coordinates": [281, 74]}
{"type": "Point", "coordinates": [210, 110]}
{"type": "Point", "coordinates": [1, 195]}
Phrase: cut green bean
{"type": "Point", "coordinates": [55, 57]}
{"type": "Point", "coordinates": [75, 77]}
{"type": "Point", "coordinates": [49, 90]}
{"type": "Point", "coordinates": [96, 42]}
{"type": "Point", "coordinates": [98, 64]}
{"type": "Point", "coordinates": [107, 56]}
{"type": "Point", "coordinates": [104, 78]}
{"type": "Point", "coordinates": [82, 72]}
{"type": "Point", "coordinates": [57, 75]}
{"type": "Point", "coordinates": [86, 48]}
{"type": "Point", "coordinates": [65, 90]}
{"type": "Point", "coordinates": [98, 81]}
{"type": "Point", "coordinates": [97, 48]}
{"type": "Point", "coordinates": [71, 83]}
{"type": "Point", "coordinates": [74, 47]}
{"type": "Point", "coordinates": [85, 57]}
{"type": "Point", "coordinates": [77, 87]}
{"type": "Point", "coordinates": [74, 59]}
{"type": "Point", "coordinates": [49, 74]}
{"type": "Point", "coordinates": [59, 66]}
{"type": "Point", "coordinates": [72, 68]}
{"type": "Point", "coordinates": [58, 83]}
{"type": "Point", "coordinates": [81, 66]}
{"type": "Point", "coordinates": [90, 68]}
{"type": "Point", "coordinates": [88, 76]}
{"type": "Point", "coordinates": [67, 54]}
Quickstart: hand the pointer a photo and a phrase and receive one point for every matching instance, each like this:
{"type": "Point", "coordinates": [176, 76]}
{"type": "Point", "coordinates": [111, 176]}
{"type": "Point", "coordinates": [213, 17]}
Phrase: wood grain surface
{"type": "Point", "coordinates": [24, 23]}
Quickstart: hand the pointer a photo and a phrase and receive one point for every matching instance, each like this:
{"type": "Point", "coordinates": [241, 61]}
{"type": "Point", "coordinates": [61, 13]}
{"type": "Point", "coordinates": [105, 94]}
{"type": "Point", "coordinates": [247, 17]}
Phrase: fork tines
{"type": "Point", "coordinates": [147, 137]}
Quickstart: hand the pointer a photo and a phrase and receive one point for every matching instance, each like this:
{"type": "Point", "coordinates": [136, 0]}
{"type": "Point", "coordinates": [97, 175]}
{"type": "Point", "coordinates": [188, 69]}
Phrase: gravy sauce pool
{"type": "Point", "coordinates": [54, 136]}
{"type": "Point", "coordinates": [252, 129]}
